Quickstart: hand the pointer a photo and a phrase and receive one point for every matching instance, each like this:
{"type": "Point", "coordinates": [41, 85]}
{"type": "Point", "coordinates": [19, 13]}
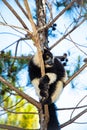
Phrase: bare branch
{"type": "Point", "coordinates": [77, 106]}
{"type": "Point", "coordinates": [73, 119]}
{"type": "Point", "coordinates": [61, 13]}
{"type": "Point", "coordinates": [9, 127]}
{"type": "Point", "coordinates": [38, 45]}
{"type": "Point", "coordinates": [35, 37]}
{"type": "Point", "coordinates": [15, 13]}
{"type": "Point", "coordinates": [77, 45]}
{"type": "Point", "coordinates": [13, 26]}
{"type": "Point", "coordinates": [70, 108]}
{"type": "Point", "coordinates": [75, 27]}
{"type": "Point", "coordinates": [22, 94]}
{"type": "Point", "coordinates": [77, 73]}
{"type": "Point", "coordinates": [22, 9]}
{"type": "Point", "coordinates": [11, 111]}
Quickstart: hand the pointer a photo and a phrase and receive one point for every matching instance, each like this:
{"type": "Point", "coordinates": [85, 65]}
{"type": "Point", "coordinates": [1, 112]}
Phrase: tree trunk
{"type": "Point", "coordinates": [41, 21]}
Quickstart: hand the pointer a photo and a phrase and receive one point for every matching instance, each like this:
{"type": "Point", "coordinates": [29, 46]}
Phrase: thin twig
{"type": "Point", "coordinates": [70, 108]}
{"type": "Point", "coordinates": [75, 74]}
{"type": "Point", "coordinates": [11, 27]}
{"type": "Point", "coordinates": [77, 46]}
{"type": "Point", "coordinates": [11, 111]}
{"type": "Point", "coordinates": [15, 13]}
{"type": "Point", "coordinates": [9, 127]}
{"type": "Point", "coordinates": [75, 27]}
{"type": "Point", "coordinates": [77, 106]}
{"type": "Point", "coordinates": [35, 37]}
{"type": "Point", "coordinates": [61, 13]}
{"type": "Point", "coordinates": [22, 9]}
{"type": "Point", "coordinates": [17, 27]}
{"type": "Point", "coordinates": [73, 119]}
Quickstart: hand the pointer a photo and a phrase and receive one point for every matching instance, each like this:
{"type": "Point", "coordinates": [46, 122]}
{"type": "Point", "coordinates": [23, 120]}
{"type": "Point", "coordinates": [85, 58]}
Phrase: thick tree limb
{"type": "Point", "coordinates": [20, 93]}
{"type": "Point", "coordinates": [38, 43]}
{"type": "Point", "coordinates": [35, 37]}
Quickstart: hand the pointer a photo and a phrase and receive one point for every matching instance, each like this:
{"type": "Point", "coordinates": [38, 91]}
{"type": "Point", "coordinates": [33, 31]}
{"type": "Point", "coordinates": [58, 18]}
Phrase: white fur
{"type": "Point", "coordinates": [64, 78]}
{"type": "Point", "coordinates": [52, 77]}
{"type": "Point", "coordinates": [35, 82]}
{"type": "Point", "coordinates": [36, 60]}
{"type": "Point", "coordinates": [58, 90]}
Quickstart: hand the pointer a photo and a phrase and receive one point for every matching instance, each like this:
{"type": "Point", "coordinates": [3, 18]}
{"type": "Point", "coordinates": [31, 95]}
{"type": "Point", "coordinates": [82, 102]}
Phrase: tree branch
{"type": "Point", "coordinates": [13, 26]}
{"type": "Point", "coordinates": [38, 43]}
{"type": "Point", "coordinates": [35, 37]}
{"type": "Point", "coordinates": [75, 27]}
{"type": "Point", "coordinates": [9, 127]}
{"type": "Point", "coordinates": [15, 13]}
{"type": "Point", "coordinates": [19, 5]}
{"type": "Point", "coordinates": [73, 119]}
{"type": "Point", "coordinates": [61, 13]}
{"type": "Point", "coordinates": [22, 94]}
{"type": "Point", "coordinates": [75, 74]}
{"type": "Point", "coordinates": [70, 108]}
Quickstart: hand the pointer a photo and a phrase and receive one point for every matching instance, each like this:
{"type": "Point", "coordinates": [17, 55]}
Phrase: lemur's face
{"type": "Point", "coordinates": [48, 57]}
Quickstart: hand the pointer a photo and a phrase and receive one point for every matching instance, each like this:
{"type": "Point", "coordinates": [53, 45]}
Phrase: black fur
{"type": "Point", "coordinates": [45, 87]}
{"type": "Point", "coordinates": [53, 121]}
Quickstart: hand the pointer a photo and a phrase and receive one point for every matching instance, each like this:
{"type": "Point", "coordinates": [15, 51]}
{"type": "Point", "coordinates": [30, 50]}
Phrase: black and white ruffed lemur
{"type": "Point", "coordinates": [55, 76]}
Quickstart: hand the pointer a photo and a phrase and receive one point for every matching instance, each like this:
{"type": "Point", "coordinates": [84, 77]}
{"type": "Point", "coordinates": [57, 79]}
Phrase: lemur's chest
{"type": "Point", "coordinates": [50, 72]}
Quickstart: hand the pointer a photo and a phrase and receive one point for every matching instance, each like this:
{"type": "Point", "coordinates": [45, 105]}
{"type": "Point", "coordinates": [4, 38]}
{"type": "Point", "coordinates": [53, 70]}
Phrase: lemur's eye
{"type": "Point", "coordinates": [47, 57]}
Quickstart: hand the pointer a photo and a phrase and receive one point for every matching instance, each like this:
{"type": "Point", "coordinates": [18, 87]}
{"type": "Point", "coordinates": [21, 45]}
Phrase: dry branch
{"type": "Point", "coordinates": [38, 43]}
{"type": "Point", "coordinates": [76, 74]}
{"type": "Point", "coordinates": [73, 119]}
{"type": "Point", "coordinates": [60, 14]}
{"type": "Point", "coordinates": [64, 36]}
{"type": "Point", "coordinates": [35, 37]}
{"type": "Point", "coordinates": [15, 13]}
{"type": "Point", "coordinates": [13, 26]}
{"type": "Point", "coordinates": [9, 127]}
{"type": "Point", "coordinates": [22, 9]}
{"type": "Point", "coordinates": [13, 111]}
{"type": "Point", "coordinates": [20, 93]}
{"type": "Point", "coordinates": [71, 108]}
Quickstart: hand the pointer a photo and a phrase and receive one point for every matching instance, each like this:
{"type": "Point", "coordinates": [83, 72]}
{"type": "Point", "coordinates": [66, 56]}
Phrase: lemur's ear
{"type": "Point", "coordinates": [46, 48]}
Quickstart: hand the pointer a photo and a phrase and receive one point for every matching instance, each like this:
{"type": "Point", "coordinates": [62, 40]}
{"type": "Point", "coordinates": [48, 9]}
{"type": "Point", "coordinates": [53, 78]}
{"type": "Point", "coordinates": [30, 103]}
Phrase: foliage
{"type": "Point", "coordinates": [9, 67]}
{"type": "Point", "coordinates": [18, 112]}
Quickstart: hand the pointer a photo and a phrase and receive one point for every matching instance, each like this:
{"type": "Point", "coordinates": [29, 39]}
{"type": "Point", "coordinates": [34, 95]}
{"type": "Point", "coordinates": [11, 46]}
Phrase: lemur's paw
{"type": "Point", "coordinates": [44, 94]}
{"type": "Point", "coordinates": [43, 85]}
{"type": "Point", "coordinates": [44, 79]}
{"type": "Point", "coordinates": [46, 101]}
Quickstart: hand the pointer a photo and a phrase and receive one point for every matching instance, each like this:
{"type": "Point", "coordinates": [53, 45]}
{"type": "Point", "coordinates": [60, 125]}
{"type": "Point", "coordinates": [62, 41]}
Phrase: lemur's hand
{"type": "Point", "coordinates": [43, 85]}
{"type": "Point", "coordinates": [43, 82]}
{"type": "Point", "coordinates": [46, 101]}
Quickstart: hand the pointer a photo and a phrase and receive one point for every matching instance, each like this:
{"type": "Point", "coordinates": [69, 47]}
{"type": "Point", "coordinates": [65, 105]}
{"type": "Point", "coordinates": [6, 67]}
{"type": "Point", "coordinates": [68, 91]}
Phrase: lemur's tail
{"type": "Point", "coordinates": [53, 123]}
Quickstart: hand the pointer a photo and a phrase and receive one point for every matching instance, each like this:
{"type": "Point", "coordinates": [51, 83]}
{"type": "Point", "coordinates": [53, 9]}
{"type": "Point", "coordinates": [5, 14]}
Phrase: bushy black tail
{"type": "Point", "coordinates": [53, 123]}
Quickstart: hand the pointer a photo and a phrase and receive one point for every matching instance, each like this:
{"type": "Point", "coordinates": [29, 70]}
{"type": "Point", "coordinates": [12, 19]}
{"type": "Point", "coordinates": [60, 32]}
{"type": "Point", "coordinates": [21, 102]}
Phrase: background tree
{"type": "Point", "coordinates": [39, 28]}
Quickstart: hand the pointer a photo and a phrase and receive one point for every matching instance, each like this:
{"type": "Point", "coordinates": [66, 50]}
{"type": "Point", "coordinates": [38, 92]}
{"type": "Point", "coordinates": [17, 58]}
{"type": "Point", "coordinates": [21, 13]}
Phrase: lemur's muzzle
{"type": "Point", "coordinates": [49, 61]}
